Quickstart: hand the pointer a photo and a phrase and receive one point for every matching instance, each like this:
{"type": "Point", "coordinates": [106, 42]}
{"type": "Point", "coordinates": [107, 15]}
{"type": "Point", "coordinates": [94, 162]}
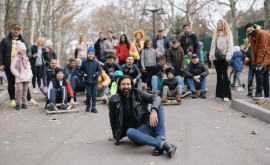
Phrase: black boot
{"type": "Point", "coordinates": [87, 109]}
{"type": "Point", "coordinates": [202, 95]}
{"type": "Point", "coordinates": [24, 106]}
{"type": "Point", "coordinates": [94, 110]}
{"type": "Point", "coordinates": [170, 149]}
{"type": "Point", "coordinates": [17, 107]}
{"type": "Point", "coordinates": [194, 94]}
{"type": "Point", "coordinates": [157, 152]}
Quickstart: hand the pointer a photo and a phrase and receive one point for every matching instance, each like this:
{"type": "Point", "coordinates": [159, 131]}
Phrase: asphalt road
{"type": "Point", "coordinates": [206, 131]}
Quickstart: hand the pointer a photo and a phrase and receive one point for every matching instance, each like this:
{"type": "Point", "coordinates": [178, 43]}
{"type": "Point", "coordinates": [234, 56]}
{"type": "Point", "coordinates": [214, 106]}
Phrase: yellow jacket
{"type": "Point", "coordinates": [134, 51]}
{"type": "Point", "coordinates": [104, 79]}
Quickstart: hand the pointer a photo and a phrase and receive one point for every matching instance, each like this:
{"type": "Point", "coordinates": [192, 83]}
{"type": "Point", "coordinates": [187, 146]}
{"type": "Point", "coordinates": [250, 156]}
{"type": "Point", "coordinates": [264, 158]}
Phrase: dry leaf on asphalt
{"type": "Point", "coordinates": [253, 132]}
{"type": "Point", "coordinates": [88, 142]}
{"type": "Point", "coordinates": [220, 109]}
{"type": "Point", "coordinates": [6, 142]}
{"type": "Point", "coordinates": [54, 118]}
{"type": "Point", "coordinates": [198, 147]}
{"type": "Point", "coordinates": [258, 103]}
{"type": "Point", "coordinates": [152, 163]}
{"type": "Point", "coordinates": [243, 116]}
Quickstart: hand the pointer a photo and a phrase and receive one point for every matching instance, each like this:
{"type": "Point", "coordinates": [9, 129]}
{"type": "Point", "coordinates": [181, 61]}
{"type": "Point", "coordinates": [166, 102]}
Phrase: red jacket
{"type": "Point", "coordinates": [122, 51]}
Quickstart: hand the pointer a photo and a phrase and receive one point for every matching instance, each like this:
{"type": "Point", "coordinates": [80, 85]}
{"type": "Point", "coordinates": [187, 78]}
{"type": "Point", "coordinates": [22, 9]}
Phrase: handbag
{"type": "Point", "coordinates": [219, 55]}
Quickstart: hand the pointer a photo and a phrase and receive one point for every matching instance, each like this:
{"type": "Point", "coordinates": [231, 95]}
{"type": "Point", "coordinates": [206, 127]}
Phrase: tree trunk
{"type": "Point", "coordinates": [19, 15]}
{"type": "Point", "coordinates": [234, 22]}
{"type": "Point", "coordinates": [31, 21]}
{"type": "Point", "coordinates": [267, 15]}
{"type": "Point", "coordinates": [2, 18]}
{"type": "Point", "coordinates": [40, 16]}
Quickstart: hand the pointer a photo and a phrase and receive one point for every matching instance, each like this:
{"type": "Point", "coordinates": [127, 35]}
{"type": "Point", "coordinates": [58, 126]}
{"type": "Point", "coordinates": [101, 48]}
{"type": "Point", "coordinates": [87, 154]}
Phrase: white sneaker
{"type": "Point", "coordinates": [226, 99]}
{"type": "Point", "coordinates": [34, 90]}
{"type": "Point", "coordinates": [240, 89]}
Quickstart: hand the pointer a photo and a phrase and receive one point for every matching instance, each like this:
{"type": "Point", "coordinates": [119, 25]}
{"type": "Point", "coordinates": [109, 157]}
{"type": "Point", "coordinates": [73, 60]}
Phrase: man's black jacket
{"type": "Point", "coordinates": [196, 69]}
{"type": "Point", "coordinates": [6, 48]}
{"type": "Point", "coordinates": [48, 75]}
{"type": "Point", "coordinates": [133, 72]}
{"type": "Point", "coordinates": [190, 40]}
{"type": "Point", "coordinates": [140, 101]}
{"type": "Point", "coordinates": [115, 67]}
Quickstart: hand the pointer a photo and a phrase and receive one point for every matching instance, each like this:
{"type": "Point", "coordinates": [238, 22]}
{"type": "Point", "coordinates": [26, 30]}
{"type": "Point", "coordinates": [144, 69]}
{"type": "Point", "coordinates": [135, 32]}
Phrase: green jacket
{"type": "Point", "coordinates": [187, 60]}
{"type": "Point", "coordinates": [113, 88]}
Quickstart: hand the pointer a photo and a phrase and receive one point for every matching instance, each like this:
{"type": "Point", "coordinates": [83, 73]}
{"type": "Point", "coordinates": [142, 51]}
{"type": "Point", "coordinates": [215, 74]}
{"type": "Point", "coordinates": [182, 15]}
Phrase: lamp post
{"type": "Point", "coordinates": [145, 13]}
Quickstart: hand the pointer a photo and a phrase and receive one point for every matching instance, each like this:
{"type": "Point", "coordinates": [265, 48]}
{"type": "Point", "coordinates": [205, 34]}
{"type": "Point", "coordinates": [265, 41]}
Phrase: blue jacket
{"type": "Point", "coordinates": [167, 44]}
{"type": "Point", "coordinates": [92, 69]}
{"type": "Point", "coordinates": [236, 61]}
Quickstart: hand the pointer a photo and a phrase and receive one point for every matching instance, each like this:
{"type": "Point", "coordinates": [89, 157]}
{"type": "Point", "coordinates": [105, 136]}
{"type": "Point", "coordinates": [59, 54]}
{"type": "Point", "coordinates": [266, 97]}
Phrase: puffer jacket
{"type": "Point", "coordinates": [21, 75]}
{"type": "Point", "coordinates": [133, 72]}
{"type": "Point", "coordinates": [135, 50]}
{"type": "Point", "coordinates": [140, 101]}
{"type": "Point", "coordinates": [122, 51]}
{"type": "Point", "coordinates": [196, 69]}
{"type": "Point", "coordinates": [148, 57]}
{"type": "Point", "coordinates": [92, 69]}
{"type": "Point", "coordinates": [171, 83]}
{"type": "Point", "coordinates": [176, 58]}
{"type": "Point", "coordinates": [190, 40]}
{"type": "Point", "coordinates": [104, 79]}
{"type": "Point", "coordinates": [236, 61]}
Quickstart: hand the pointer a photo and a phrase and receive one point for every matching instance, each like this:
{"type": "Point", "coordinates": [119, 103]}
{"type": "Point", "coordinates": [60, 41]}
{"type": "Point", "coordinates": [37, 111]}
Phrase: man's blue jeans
{"type": "Point", "coordinates": [58, 95]}
{"type": "Point", "coordinates": [181, 82]}
{"type": "Point", "coordinates": [147, 135]}
{"type": "Point", "coordinates": [155, 82]}
{"type": "Point", "coordinates": [193, 85]}
{"type": "Point", "coordinates": [91, 92]}
{"type": "Point", "coordinates": [77, 84]}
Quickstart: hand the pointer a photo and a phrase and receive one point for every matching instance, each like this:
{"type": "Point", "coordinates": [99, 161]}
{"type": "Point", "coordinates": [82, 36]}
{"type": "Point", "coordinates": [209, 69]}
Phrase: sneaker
{"type": "Point", "coordinates": [178, 99]}
{"type": "Point", "coordinates": [202, 95]}
{"type": "Point", "coordinates": [52, 107]}
{"type": "Point", "coordinates": [13, 103]}
{"type": "Point", "coordinates": [24, 106]}
{"type": "Point", "coordinates": [194, 94]}
{"type": "Point", "coordinates": [94, 110]}
{"type": "Point", "coordinates": [34, 90]}
{"type": "Point", "coordinates": [240, 89]}
{"type": "Point", "coordinates": [33, 102]}
{"type": "Point", "coordinates": [185, 94]}
{"type": "Point", "coordinates": [164, 100]}
{"type": "Point", "coordinates": [226, 99]}
{"type": "Point", "coordinates": [249, 95]}
{"type": "Point", "coordinates": [17, 106]}
{"type": "Point", "coordinates": [87, 109]}
{"type": "Point", "coordinates": [104, 100]}
{"type": "Point", "coordinates": [63, 106]}
{"type": "Point", "coordinates": [258, 97]}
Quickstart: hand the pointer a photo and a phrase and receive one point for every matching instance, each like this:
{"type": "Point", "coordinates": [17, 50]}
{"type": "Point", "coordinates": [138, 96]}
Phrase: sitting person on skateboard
{"type": "Point", "coordinates": [59, 91]}
{"type": "Point", "coordinates": [196, 73]}
{"type": "Point", "coordinates": [103, 82]}
{"type": "Point", "coordinates": [170, 86]}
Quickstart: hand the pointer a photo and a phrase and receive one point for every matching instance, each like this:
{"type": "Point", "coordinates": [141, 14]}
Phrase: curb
{"type": "Point", "coordinates": [4, 96]}
{"type": "Point", "coordinates": [246, 106]}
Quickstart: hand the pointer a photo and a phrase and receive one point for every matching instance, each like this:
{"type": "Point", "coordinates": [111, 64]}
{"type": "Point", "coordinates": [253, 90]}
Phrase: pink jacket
{"type": "Point", "coordinates": [82, 51]}
{"type": "Point", "coordinates": [25, 75]}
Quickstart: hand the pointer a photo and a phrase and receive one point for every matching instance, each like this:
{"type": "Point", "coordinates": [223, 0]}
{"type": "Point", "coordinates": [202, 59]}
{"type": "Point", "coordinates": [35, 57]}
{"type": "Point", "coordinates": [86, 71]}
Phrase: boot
{"type": "Point", "coordinates": [94, 110]}
{"type": "Point", "coordinates": [170, 149]}
{"type": "Point", "coordinates": [194, 94]}
{"type": "Point", "coordinates": [202, 95]}
{"type": "Point", "coordinates": [87, 109]}
{"type": "Point", "coordinates": [24, 106]}
{"type": "Point", "coordinates": [18, 107]}
{"type": "Point", "coordinates": [157, 152]}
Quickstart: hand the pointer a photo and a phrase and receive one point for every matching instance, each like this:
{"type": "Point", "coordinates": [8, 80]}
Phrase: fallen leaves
{"type": "Point", "coordinates": [152, 163]}
{"type": "Point", "coordinates": [220, 109]}
{"type": "Point", "coordinates": [55, 118]}
{"type": "Point", "coordinates": [6, 143]}
{"type": "Point", "coordinates": [253, 132]}
{"type": "Point", "coordinates": [88, 142]}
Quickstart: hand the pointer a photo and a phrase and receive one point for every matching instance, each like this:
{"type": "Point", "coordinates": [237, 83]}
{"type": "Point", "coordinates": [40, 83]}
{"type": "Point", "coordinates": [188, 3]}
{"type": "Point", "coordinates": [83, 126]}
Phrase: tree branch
{"type": "Point", "coordinates": [222, 3]}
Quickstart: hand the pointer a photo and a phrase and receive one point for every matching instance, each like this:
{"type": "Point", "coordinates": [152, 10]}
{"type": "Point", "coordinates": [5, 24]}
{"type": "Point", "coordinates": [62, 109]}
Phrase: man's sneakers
{"type": "Point", "coordinates": [249, 95]}
{"type": "Point", "coordinates": [33, 102]}
{"type": "Point", "coordinates": [17, 107]}
{"type": "Point", "coordinates": [194, 94]}
{"type": "Point", "coordinates": [164, 100]}
{"type": "Point", "coordinates": [52, 107]}
{"type": "Point", "coordinates": [178, 99]}
{"type": "Point", "coordinates": [94, 110]}
{"type": "Point", "coordinates": [170, 149]}
{"type": "Point", "coordinates": [202, 94]}
{"type": "Point", "coordinates": [258, 97]}
{"type": "Point", "coordinates": [226, 99]}
{"type": "Point", "coordinates": [185, 94]}
{"type": "Point", "coordinates": [63, 106]}
{"type": "Point", "coordinates": [24, 106]}
{"type": "Point", "coordinates": [157, 152]}
{"type": "Point", "coordinates": [87, 109]}
{"type": "Point", "coordinates": [13, 103]}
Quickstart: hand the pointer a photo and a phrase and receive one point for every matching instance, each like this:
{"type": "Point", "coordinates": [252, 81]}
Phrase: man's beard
{"type": "Point", "coordinates": [126, 92]}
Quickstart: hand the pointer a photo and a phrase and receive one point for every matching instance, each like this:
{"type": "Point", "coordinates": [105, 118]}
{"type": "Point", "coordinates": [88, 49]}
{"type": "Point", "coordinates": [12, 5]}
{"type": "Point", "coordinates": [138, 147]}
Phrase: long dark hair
{"type": "Point", "coordinates": [146, 42]}
{"type": "Point", "coordinates": [126, 40]}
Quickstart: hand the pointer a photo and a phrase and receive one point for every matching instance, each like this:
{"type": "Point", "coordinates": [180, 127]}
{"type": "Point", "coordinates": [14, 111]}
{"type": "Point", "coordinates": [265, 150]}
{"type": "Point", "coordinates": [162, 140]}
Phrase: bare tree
{"type": "Point", "coordinates": [31, 13]}
{"type": "Point", "coordinates": [19, 15]}
{"type": "Point", "coordinates": [267, 14]}
{"type": "Point", "coordinates": [40, 17]}
{"type": "Point", "coordinates": [2, 18]}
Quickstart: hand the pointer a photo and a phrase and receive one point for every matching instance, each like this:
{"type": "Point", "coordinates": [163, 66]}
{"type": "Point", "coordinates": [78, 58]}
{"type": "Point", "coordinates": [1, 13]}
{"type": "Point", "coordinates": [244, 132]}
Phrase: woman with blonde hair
{"type": "Point", "coordinates": [81, 47]}
{"type": "Point", "coordinates": [37, 62]}
{"type": "Point", "coordinates": [137, 46]}
{"type": "Point", "coordinates": [221, 53]}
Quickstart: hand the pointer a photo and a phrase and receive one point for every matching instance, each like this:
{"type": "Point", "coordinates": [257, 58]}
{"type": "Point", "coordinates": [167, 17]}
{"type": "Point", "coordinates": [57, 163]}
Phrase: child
{"type": "Point", "coordinates": [21, 69]}
{"type": "Point", "coordinates": [148, 61]}
{"type": "Point", "coordinates": [58, 91]}
{"type": "Point", "coordinates": [91, 70]}
{"type": "Point", "coordinates": [188, 57]}
{"type": "Point", "coordinates": [170, 87]}
{"type": "Point", "coordinates": [103, 82]}
{"type": "Point", "coordinates": [49, 54]}
{"type": "Point", "coordinates": [237, 66]}
{"type": "Point", "coordinates": [176, 58]}
{"type": "Point", "coordinates": [117, 75]}
{"type": "Point", "coordinates": [201, 51]}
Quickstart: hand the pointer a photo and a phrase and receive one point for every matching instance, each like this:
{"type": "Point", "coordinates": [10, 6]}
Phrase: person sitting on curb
{"type": "Point", "coordinates": [77, 83]}
{"type": "Point", "coordinates": [48, 75]}
{"type": "Point", "coordinates": [196, 73]}
{"type": "Point", "coordinates": [170, 86]}
{"type": "Point", "coordinates": [129, 116]}
{"type": "Point", "coordinates": [59, 91]}
{"type": "Point", "coordinates": [133, 71]}
{"type": "Point", "coordinates": [117, 75]}
{"type": "Point", "coordinates": [91, 70]}
{"type": "Point", "coordinates": [68, 68]}
{"type": "Point", "coordinates": [103, 82]}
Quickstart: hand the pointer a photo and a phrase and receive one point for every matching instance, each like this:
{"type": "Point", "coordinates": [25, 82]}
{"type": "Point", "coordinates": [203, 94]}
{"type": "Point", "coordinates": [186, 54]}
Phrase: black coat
{"type": "Point", "coordinates": [196, 69]}
{"type": "Point", "coordinates": [134, 72]}
{"type": "Point", "coordinates": [140, 101]}
{"type": "Point", "coordinates": [114, 66]}
{"type": "Point", "coordinates": [48, 75]}
{"type": "Point", "coordinates": [157, 70]}
{"type": "Point", "coordinates": [171, 83]}
{"type": "Point", "coordinates": [192, 41]}
{"type": "Point", "coordinates": [34, 50]}
{"type": "Point", "coordinates": [48, 57]}
{"type": "Point", "coordinates": [97, 48]}
{"type": "Point", "coordinates": [6, 48]}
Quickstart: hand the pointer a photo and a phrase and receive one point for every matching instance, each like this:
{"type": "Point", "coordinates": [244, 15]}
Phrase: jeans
{"type": "Point", "coordinates": [69, 77]}
{"type": "Point", "coordinates": [181, 82]}
{"type": "Point", "coordinates": [195, 85]}
{"type": "Point", "coordinates": [77, 84]}
{"type": "Point", "coordinates": [155, 83]}
{"type": "Point", "coordinates": [41, 89]}
{"type": "Point", "coordinates": [262, 80]}
{"type": "Point", "coordinates": [223, 83]}
{"type": "Point", "coordinates": [147, 135]}
{"type": "Point", "coordinates": [91, 93]}
{"type": "Point", "coordinates": [251, 73]}
{"type": "Point", "coordinates": [58, 95]}
{"type": "Point", "coordinates": [37, 73]}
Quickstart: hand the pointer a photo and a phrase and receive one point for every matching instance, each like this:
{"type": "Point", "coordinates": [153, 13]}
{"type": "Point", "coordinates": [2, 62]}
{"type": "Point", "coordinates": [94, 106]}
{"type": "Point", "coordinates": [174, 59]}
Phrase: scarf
{"type": "Point", "coordinates": [21, 62]}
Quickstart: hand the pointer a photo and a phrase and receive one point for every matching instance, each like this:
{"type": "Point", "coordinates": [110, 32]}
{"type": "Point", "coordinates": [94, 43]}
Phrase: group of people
{"type": "Point", "coordinates": [129, 76]}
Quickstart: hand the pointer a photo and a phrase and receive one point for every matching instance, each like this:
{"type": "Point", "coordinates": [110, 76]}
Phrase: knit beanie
{"type": "Point", "coordinates": [48, 43]}
{"type": "Point", "coordinates": [21, 47]}
{"type": "Point", "coordinates": [58, 70]}
{"type": "Point", "coordinates": [91, 49]}
{"type": "Point", "coordinates": [169, 69]}
{"type": "Point", "coordinates": [250, 25]}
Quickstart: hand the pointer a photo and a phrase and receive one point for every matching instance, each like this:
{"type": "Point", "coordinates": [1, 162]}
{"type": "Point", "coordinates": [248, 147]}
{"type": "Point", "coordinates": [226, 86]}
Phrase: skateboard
{"type": "Point", "coordinates": [70, 108]}
{"type": "Point", "coordinates": [171, 101]}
